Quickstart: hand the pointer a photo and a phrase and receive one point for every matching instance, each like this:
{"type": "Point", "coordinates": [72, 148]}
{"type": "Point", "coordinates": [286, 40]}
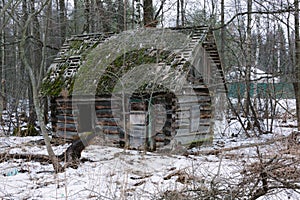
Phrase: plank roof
{"type": "Point", "coordinates": [91, 54]}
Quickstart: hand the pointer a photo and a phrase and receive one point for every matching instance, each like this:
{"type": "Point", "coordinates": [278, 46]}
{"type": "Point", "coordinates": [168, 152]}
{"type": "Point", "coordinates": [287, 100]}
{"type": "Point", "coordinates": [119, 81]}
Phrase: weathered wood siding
{"type": "Point", "coordinates": [186, 117]}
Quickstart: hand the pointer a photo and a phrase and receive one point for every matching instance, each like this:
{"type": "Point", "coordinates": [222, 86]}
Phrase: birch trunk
{"type": "Point", "coordinates": [36, 101]}
{"type": "Point", "coordinates": [248, 60]}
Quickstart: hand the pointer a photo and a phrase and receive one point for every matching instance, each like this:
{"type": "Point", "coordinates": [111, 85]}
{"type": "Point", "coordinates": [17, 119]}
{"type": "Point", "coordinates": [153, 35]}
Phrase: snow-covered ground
{"type": "Point", "coordinates": [113, 173]}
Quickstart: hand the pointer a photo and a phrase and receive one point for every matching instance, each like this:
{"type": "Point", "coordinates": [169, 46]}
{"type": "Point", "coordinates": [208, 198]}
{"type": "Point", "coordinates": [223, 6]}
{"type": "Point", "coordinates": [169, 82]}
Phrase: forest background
{"type": "Point", "coordinates": [253, 36]}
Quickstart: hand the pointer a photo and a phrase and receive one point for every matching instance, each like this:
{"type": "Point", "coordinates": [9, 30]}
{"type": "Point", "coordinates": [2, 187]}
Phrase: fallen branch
{"type": "Point", "coordinates": [28, 157]}
{"type": "Point", "coordinates": [292, 137]}
{"type": "Point", "coordinates": [71, 156]}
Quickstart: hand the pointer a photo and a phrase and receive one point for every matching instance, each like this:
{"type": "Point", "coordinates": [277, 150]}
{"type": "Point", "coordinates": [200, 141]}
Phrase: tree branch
{"type": "Point", "coordinates": [270, 12]}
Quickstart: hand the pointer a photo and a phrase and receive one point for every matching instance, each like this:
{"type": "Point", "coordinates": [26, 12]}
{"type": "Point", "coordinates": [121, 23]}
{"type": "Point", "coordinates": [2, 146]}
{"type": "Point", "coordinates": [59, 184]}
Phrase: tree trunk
{"type": "Point", "coordinates": [34, 53]}
{"type": "Point", "coordinates": [178, 13]}
{"type": "Point", "coordinates": [3, 84]}
{"type": "Point", "coordinates": [43, 68]}
{"type": "Point", "coordinates": [138, 17]}
{"type": "Point", "coordinates": [121, 16]}
{"type": "Point", "coordinates": [297, 62]}
{"type": "Point", "coordinates": [32, 114]}
{"type": "Point", "coordinates": [133, 15]}
{"type": "Point", "coordinates": [86, 27]}
{"type": "Point", "coordinates": [36, 101]}
{"type": "Point", "coordinates": [248, 60]}
{"type": "Point", "coordinates": [109, 18]}
{"type": "Point", "coordinates": [148, 13]}
{"type": "Point", "coordinates": [62, 21]}
{"type": "Point", "coordinates": [182, 13]}
{"type": "Point", "coordinates": [125, 15]}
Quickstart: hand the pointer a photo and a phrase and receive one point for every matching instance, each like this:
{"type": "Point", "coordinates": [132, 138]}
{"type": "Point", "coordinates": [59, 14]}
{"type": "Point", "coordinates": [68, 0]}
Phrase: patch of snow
{"type": "Point", "coordinates": [114, 173]}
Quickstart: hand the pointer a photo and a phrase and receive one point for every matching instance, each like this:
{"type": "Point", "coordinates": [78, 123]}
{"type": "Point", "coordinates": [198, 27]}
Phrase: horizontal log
{"type": "Point", "coordinates": [205, 107]}
{"type": "Point", "coordinates": [114, 106]}
{"type": "Point", "coordinates": [205, 115]}
{"type": "Point", "coordinates": [66, 125]}
{"type": "Point", "coordinates": [67, 112]}
{"type": "Point", "coordinates": [138, 106]}
{"type": "Point", "coordinates": [65, 107]}
{"type": "Point", "coordinates": [109, 119]}
{"type": "Point", "coordinates": [111, 130]}
{"type": "Point", "coordinates": [68, 129]}
{"type": "Point", "coordinates": [107, 123]}
{"type": "Point", "coordinates": [66, 119]}
{"type": "Point", "coordinates": [108, 115]}
{"type": "Point", "coordinates": [109, 110]}
{"type": "Point", "coordinates": [108, 99]}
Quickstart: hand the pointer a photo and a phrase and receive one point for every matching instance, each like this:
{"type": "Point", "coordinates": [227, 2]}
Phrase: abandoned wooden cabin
{"type": "Point", "coordinates": [146, 89]}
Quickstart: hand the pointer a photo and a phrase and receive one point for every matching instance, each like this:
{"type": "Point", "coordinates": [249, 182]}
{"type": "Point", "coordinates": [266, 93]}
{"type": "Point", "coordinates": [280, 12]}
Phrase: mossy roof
{"type": "Point", "coordinates": [103, 63]}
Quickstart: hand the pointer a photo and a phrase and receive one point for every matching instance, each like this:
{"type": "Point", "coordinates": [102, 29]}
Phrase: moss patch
{"type": "Point", "coordinates": [126, 62]}
{"type": "Point", "coordinates": [106, 64]}
{"type": "Point", "coordinates": [54, 87]}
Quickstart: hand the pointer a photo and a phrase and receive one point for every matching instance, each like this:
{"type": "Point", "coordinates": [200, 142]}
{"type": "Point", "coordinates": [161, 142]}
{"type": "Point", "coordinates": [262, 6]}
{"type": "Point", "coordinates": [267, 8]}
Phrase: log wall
{"type": "Point", "coordinates": [185, 117]}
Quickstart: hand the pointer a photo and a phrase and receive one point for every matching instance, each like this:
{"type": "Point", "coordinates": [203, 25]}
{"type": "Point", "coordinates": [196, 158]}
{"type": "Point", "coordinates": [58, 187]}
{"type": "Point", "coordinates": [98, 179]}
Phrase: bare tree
{"type": "Point", "coordinates": [297, 62]}
{"type": "Point", "coordinates": [248, 58]}
{"type": "Point", "coordinates": [35, 87]}
{"type": "Point", "coordinates": [87, 23]}
{"type": "Point", "coordinates": [180, 19]}
{"type": "Point", "coordinates": [3, 63]}
{"type": "Point", "coordinates": [62, 20]}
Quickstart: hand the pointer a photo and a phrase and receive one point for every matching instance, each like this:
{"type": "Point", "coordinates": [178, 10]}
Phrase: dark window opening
{"type": "Point", "coordinates": [85, 118]}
